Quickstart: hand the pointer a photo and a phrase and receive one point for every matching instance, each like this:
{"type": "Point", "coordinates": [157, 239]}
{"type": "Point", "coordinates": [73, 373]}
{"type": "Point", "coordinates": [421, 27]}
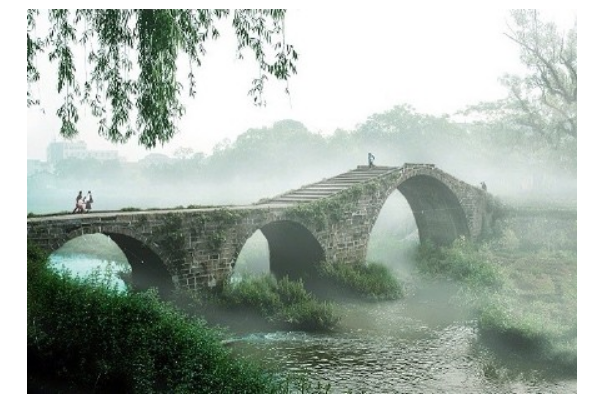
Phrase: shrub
{"type": "Point", "coordinates": [131, 209]}
{"type": "Point", "coordinates": [461, 261]}
{"type": "Point", "coordinates": [84, 337]}
{"type": "Point", "coordinates": [372, 280]}
{"type": "Point", "coordinates": [281, 302]}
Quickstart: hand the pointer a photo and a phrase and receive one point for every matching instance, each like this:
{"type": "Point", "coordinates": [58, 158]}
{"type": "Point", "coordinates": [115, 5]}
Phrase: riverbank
{"type": "Point", "coordinates": [521, 282]}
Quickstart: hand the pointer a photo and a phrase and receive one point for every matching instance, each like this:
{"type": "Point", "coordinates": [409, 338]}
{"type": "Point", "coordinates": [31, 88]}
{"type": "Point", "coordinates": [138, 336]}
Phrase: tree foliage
{"type": "Point", "coordinates": [544, 100]}
{"type": "Point", "coordinates": [132, 58]}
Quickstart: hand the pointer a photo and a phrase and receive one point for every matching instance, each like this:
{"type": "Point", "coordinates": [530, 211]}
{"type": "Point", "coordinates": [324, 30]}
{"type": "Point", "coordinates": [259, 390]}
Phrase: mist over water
{"type": "Point", "coordinates": [427, 342]}
{"type": "Point", "coordinates": [93, 256]}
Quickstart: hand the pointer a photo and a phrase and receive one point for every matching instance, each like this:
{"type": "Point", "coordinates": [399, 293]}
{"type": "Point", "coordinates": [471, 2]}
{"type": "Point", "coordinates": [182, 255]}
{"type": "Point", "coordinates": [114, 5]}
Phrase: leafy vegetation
{"type": "Point", "coordinates": [373, 280]}
{"type": "Point", "coordinates": [541, 105]}
{"type": "Point", "coordinates": [463, 262]}
{"type": "Point", "coordinates": [86, 337]}
{"type": "Point", "coordinates": [113, 40]}
{"type": "Point", "coordinates": [524, 293]}
{"type": "Point", "coordinates": [283, 303]}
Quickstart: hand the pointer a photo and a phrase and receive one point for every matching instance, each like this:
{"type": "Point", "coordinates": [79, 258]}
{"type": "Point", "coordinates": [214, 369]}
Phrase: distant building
{"type": "Point", "coordinates": [58, 151]}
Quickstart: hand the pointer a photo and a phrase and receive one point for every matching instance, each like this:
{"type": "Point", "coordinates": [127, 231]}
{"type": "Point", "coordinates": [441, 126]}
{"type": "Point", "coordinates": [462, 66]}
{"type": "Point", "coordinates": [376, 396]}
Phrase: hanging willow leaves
{"type": "Point", "coordinates": [132, 58]}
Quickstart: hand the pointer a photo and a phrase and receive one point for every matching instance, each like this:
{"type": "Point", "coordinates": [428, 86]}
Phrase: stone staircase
{"type": "Point", "coordinates": [331, 186]}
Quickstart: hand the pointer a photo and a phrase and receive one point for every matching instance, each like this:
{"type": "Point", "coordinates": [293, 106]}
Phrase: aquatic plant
{"type": "Point", "coordinates": [282, 301]}
{"type": "Point", "coordinates": [372, 280]}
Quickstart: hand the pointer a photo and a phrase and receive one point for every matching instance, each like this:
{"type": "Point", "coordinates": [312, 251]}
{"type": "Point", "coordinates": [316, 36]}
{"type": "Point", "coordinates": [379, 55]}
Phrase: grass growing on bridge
{"type": "Point", "coordinates": [88, 338]}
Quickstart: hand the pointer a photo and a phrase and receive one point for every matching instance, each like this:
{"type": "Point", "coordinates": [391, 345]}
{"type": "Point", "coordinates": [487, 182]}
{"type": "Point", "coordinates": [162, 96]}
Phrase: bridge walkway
{"type": "Point", "coordinates": [331, 186]}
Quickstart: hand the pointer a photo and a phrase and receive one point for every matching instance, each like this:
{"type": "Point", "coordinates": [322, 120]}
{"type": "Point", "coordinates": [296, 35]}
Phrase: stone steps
{"type": "Point", "coordinates": [331, 186]}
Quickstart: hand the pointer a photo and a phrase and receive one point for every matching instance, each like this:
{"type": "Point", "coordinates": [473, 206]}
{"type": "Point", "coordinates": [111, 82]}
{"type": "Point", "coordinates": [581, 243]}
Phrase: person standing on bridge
{"type": "Point", "coordinates": [88, 202]}
{"type": "Point", "coordinates": [371, 160]}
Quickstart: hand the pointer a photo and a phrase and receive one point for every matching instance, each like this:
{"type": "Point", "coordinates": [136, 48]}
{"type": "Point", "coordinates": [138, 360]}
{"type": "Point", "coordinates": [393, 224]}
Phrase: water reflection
{"type": "Point", "coordinates": [84, 266]}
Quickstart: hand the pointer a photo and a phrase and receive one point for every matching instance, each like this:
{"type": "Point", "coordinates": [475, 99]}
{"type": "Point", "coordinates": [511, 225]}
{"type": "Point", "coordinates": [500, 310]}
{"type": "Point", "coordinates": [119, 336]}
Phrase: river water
{"type": "Point", "coordinates": [420, 344]}
{"type": "Point", "coordinates": [424, 343]}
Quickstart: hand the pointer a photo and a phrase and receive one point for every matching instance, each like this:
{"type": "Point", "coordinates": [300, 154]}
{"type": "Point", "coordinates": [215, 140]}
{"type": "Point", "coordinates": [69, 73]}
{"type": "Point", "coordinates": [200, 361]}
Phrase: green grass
{"type": "Point", "coordinates": [287, 304]}
{"type": "Point", "coordinates": [524, 299]}
{"type": "Point", "coordinates": [463, 262]}
{"type": "Point", "coordinates": [86, 337]}
{"type": "Point", "coordinates": [371, 281]}
{"type": "Point", "coordinates": [283, 303]}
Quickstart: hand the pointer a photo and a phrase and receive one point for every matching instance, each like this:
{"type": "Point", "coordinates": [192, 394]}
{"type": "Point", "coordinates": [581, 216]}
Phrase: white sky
{"type": "Point", "coordinates": [353, 62]}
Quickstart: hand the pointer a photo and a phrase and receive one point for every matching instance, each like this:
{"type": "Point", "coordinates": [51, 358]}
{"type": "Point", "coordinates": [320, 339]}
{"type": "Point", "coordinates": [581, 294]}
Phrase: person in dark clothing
{"type": "Point", "coordinates": [484, 186]}
{"type": "Point", "coordinates": [371, 160]}
{"type": "Point", "coordinates": [78, 203]}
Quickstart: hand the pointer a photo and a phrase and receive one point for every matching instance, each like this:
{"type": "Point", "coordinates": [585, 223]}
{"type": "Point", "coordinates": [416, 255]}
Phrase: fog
{"type": "Point", "coordinates": [271, 160]}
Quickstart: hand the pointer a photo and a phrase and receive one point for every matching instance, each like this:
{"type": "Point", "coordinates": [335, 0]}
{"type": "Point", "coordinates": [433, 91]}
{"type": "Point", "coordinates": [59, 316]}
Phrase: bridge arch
{"type": "Point", "coordinates": [253, 256]}
{"type": "Point", "coordinates": [437, 210]}
{"type": "Point", "coordinates": [147, 266]}
{"type": "Point", "coordinates": [293, 249]}
{"type": "Point", "coordinates": [438, 213]}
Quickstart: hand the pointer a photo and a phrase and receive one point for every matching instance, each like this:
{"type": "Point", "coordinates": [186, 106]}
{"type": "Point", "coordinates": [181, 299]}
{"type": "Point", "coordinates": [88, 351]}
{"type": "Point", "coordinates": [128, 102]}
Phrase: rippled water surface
{"type": "Point", "coordinates": [406, 346]}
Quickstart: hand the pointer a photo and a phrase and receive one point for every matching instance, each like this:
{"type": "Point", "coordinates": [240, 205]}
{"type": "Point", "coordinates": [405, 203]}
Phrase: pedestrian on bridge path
{"type": "Point", "coordinates": [371, 159]}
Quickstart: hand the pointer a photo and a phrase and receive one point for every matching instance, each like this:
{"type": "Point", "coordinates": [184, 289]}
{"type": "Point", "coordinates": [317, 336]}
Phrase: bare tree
{"type": "Point", "coordinates": [544, 100]}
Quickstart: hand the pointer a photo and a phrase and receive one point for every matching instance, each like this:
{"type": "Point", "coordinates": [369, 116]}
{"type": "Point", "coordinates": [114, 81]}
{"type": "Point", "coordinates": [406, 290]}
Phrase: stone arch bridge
{"type": "Point", "coordinates": [330, 220]}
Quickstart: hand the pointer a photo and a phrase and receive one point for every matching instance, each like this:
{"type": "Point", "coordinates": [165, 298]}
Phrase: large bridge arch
{"type": "Point", "coordinates": [433, 198]}
{"type": "Point", "coordinates": [293, 250]}
{"type": "Point", "coordinates": [438, 213]}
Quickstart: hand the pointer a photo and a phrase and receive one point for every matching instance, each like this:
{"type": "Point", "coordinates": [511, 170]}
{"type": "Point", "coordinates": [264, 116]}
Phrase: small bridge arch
{"type": "Point", "coordinates": [148, 266]}
{"type": "Point", "coordinates": [293, 249]}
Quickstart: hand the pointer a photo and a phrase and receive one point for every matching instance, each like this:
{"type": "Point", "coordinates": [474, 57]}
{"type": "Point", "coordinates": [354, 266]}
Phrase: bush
{"type": "Point", "coordinates": [529, 330]}
{"type": "Point", "coordinates": [531, 323]}
{"type": "Point", "coordinates": [281, 302]}
{"type": "Point", "coordinates": [88, 338]}
{"type": "Point", "coordinates": [372, 280]}
{"type": "Point", "coordinates": [462, 262]}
